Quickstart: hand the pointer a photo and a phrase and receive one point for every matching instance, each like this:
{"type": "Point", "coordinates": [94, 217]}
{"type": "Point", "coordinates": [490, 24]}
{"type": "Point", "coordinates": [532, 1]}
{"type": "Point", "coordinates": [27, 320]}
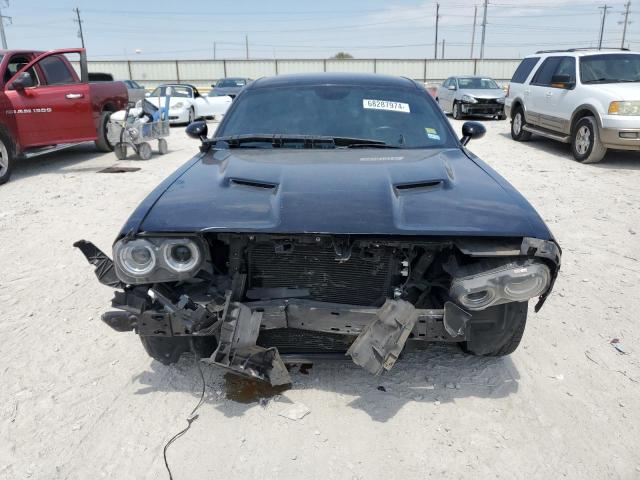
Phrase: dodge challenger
{"type": "Point", "coordinates": [328, 214]}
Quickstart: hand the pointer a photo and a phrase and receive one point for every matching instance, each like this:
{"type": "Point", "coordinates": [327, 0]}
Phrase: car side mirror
{"type": "Point", "coordinates": [24, 80]}
{"type": "Point", "coordinates": [562, 81]}
{"type": "Point", "coordinates": [197, 130]}
{"type": "Point", "coordinates": [452, 87]}
{"type": "Point", "coordinates": [472, 130]}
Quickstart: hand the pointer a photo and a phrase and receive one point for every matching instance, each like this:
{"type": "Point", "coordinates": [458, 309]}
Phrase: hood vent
{"type": "Point", "coordinates": [401, 187]}
{"type": "Point", "coordinates": [253, 184]}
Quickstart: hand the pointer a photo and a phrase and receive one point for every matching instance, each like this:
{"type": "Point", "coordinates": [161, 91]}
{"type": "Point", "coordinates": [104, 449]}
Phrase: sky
{"type": "Point", "coordinates": [188, 29]}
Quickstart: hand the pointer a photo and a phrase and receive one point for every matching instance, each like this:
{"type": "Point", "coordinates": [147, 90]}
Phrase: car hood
{"type": "Point", "coordinates": [617, 91]}
{"type": "Point", "coordinates": [350, 191]}
{"type": "Point", "coordinates": [482, 92]}
{"type": "Point", "coordinates": [227, 90]}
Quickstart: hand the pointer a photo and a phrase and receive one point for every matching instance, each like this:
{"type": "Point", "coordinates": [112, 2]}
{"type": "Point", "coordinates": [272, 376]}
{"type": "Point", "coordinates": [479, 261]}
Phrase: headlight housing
{"type": "Point", "coordinates": [156, 259]}
{"type": "Point", "coordinates": [512, 282]}
{"type": "Point", "coordinates": [625, 108]}
{"type": "Point", "coordinates": [176, 106]}
{"type": "Point", "coordinates": [469, 99]}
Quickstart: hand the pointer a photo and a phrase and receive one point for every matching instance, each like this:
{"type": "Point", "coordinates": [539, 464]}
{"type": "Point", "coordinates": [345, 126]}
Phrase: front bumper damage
{"type": "Point", "coordinates": [380, 334]}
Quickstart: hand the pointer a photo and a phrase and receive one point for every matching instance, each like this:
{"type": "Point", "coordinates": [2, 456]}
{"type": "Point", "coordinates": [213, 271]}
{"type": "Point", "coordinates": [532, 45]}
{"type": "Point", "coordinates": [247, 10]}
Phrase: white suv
{"type": "Point", "coordinates": [588, 98]}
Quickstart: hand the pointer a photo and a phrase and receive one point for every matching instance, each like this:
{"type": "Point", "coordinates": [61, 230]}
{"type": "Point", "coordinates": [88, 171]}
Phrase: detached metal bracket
{"type": "Point", "coordinates": [237, 350]}
{"type": "Point", "coordinates": [379, 345]}
{"type": "Point", "coordinates": [104, 265]}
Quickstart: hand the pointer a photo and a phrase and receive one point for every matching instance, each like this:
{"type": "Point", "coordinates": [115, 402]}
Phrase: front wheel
{"type": "Point", "coordinates": [6, 157]}
{"type": "Point", "coordinates": [456, 113]}
{"type": "Point", "coordinates": [167, 350]}
{"type": "Point", "coordinates": [192, 115]}
{"type": "Point", "coordinates": [496, 331]}
{"type": "Point", "coordinates": [585, 144]}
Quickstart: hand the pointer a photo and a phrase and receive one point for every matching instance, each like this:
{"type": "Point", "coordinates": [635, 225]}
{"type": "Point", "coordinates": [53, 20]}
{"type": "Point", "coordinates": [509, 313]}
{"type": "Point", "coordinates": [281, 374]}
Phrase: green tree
{"type": "Point", "coordinates": [342, 55]}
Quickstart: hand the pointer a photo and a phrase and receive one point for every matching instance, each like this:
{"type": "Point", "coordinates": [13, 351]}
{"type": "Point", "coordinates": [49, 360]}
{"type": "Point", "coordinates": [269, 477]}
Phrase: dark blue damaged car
{"type": "Point", "coordinates": [328, 214]}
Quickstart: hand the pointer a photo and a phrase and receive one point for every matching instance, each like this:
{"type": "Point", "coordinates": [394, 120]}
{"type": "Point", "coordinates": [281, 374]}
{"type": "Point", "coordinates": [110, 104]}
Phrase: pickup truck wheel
{"type": "Point", "coordinates": [6, 158]}
{"type": "Point", "coordinates": [457, 113]}
{"type": "Point", "coordinates": [517, 123]}
{"type": "Point", "coordinates": [102, 142]}
{"type": "Point", "coordinates": [500, 337]}
{"type": "Point", "coordinates": [585, 144]}
{"type": "Point", "coordinates": [167, 350]}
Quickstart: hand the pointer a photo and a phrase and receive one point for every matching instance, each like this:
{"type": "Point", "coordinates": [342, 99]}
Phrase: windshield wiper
{"type": "Point", "coordinates": [295, 141]}
{"type": "Point", "coordinates": [611, 80]}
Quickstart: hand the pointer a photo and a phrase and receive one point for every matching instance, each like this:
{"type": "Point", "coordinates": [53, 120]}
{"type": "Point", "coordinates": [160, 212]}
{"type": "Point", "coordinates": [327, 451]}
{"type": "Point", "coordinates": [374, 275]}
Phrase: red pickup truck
{"type": "Point", "coordinates": [46, 106]}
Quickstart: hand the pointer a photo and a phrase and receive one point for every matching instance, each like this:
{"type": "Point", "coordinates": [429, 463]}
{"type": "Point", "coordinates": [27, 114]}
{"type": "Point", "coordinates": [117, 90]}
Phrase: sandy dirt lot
{"type": "Point", "coordinates": [79, 401]}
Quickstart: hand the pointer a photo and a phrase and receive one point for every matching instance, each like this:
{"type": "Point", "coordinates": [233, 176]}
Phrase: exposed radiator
{"type": "Point", "coordinates": [357, 281]}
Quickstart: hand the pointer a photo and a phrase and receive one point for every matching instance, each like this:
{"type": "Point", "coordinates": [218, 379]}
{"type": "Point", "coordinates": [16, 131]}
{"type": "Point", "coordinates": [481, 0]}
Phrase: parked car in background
{"type": "Point", "coordinates": [46, 106]}
{"type": "Point", "coordinates": [585, 97]}
{"type": "Point", "coordinates": [471, 96]}
{"type": "Point", "coordinates": [136, 91]}
{"type": "Point", "coordinates": [351, 219]}
{"type": "Point", "coordinates": [186, 103]}
{"type": "Point", "coordinates": [228, 86]}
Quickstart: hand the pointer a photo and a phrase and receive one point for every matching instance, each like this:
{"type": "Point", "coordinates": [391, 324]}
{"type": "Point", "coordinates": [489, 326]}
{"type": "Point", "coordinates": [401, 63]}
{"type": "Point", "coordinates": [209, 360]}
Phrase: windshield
{"type": "Point", "coordinates": [176, 91]}
{"type": "Point", "coordinates": [477, 83]}
{"type": "Point", "coordinates": [231, 82]}
{"type": "Point", "coordinates": [401, 117]}
{"type": "Point", "coordinates": [610, 68]}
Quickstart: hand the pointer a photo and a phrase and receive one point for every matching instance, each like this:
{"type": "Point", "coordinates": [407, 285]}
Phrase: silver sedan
{"type": "Point", "coordinates": [471, 96]}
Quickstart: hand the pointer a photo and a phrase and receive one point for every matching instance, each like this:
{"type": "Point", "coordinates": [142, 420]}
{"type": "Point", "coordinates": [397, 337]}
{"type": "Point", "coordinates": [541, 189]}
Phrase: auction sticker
{"type": "Point", "coordinates": [385, 105]}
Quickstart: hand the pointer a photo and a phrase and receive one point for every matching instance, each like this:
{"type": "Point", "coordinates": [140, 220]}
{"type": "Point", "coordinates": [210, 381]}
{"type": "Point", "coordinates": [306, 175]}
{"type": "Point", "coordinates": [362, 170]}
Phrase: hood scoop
{"type": "Point", "coordinates": [421, 185]}
{"type": "Point", "coordinates": [257, 184]}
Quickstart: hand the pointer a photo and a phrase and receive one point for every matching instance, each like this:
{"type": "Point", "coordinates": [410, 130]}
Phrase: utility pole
{"type": "Point", "coordinates": [473, 32]}
{"type": "Point", "coordinates": [214, 50]}
{"type": "Point", "coordinates": [442, 56]}
{"type": "Point", "coordinates": [484, 28]}
{"type": "Point", "coordinates": [435, 44]}
{"type": "Point", "coordinates": [604, 16]}
{"type": "Point", "coordinates": [625, 22]}
{"type": "Point", "coordinates": [2, 18]}
{"type": "Point", "coordinates": [79, 22]}
{"type": "Point", "coordinates": [246, 45]}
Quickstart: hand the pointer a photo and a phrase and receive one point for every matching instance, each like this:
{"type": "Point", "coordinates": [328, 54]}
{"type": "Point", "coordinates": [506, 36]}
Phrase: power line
{"type": "Point", "coordinates": [604, 9]}
{"type": "Point", "coordinates": [79, 22]}
{"type": "Point", "coordinates": [2, 17]}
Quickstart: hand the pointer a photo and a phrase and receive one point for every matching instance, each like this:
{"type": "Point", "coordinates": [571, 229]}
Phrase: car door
{"type": "Point", "coordinates": [442, 94]}
{"type": "Point", "coordinates": [539, 89]}
{"type": "Point", "coordinates": [561, 98]}
{"type": "Point", "coordinates": [57, 108]}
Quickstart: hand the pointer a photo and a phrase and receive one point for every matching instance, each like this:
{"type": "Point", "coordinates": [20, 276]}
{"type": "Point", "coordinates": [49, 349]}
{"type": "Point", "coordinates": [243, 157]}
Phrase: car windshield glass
{"type": "Point", "coordinates": [402, 117]}
{"type": "Point", "coordinates": [176, 91]}
{"type": "Point", "coordinates": [610, 68]}
{"type": "Point", "coordinates": [477, 83]}
{"type": "Point", "coordinates": [231, 82]}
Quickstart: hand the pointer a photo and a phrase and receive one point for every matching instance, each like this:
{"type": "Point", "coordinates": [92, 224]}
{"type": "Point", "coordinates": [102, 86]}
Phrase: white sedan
{"type": "Point", "coordinates": [186, 104]}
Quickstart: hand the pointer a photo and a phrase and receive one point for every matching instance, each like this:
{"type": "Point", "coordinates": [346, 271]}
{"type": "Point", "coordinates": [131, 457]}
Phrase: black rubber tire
{"type": "Point", "coordinates": [102, 143]}
{"type": "Point", "coordinates": [167, 350]}
{"type": "Point", "coordinates": [501, 337]}
{"type": "Point", "coordinates": [7, 142]}
{"type": "Point", "coordinates": [192, 116]}
{"type": "Point", "coordinates": [595, 151]}
{"type": "Point", "coordinates": [455, 111]}
{"type": "Point", "coordinates": [521, 135]}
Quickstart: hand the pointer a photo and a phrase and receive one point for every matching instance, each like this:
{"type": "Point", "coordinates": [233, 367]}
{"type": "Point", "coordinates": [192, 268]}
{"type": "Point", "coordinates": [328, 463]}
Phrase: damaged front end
{"type": "Point", "coordinates": [254, 299]}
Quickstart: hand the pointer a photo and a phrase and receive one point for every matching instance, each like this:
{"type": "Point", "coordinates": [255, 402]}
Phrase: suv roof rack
{"type": "Point", "coordinates": [580, 50]}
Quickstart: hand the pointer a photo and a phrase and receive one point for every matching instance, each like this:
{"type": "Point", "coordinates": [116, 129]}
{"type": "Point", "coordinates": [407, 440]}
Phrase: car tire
{"type": "Point", "coordinates": [167, 350]}
{"type": "Point", "coordinates": [192, 116]}
{"type": "Point", "coordinates": [456, 113]}
{"type": "Point", "coordinates": [500, 336]}
{"type": "Point", "coordinates": [7, 156]}
{"type": "Point", "coordinates": [517, 126]}
{"type": "Point", "coordinates": [585, 142]}
{"type": "Point", "coordinates": [102, 142]}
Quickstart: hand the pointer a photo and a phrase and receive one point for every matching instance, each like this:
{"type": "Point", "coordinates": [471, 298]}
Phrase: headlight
{"type": "Point", "coordinates": [500, 100]}
{"type": "Point", "coordinates": [513, 282]}
{"type": "Point", "coordinates": [153, 259]}
{"type": "Point", "coordinates": [469, 99]}
{"type": "Point", "coordinates": [624, 108]}
{"type": "Point", "coordinates": [176, 106]}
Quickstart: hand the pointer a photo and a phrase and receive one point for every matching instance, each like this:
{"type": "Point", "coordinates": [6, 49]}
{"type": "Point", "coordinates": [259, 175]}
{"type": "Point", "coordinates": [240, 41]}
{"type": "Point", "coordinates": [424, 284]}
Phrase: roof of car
{"type": "Point", "coordinates": [178, 85]}
{"type": "Point", "coordinates": [332, 79]}
{"type": "Point", "coordinates": [581, 52]}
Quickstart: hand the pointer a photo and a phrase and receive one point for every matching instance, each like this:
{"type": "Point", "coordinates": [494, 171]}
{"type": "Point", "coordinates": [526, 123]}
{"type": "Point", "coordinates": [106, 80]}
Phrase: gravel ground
{"type": "Point", "coordinates": [78, 400]}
